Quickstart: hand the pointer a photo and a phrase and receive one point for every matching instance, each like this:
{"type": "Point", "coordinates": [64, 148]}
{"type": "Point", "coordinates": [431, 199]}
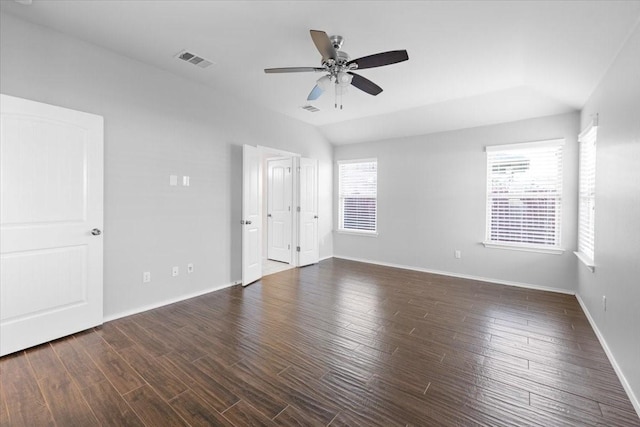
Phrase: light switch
{"type": "Point", "coordinates": [173, 180]}
{"type": "Point", "coordinates": [185, 181]}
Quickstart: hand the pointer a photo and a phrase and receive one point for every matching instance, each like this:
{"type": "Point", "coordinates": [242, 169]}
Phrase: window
{"type": "Point", "coordinates": [524, 196]}
{"type": "Point", "coordinates": [586, 202]}
{"type": "Point", "coordinates": [358, 189]}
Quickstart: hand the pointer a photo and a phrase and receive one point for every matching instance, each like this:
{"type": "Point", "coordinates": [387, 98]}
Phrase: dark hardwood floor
{"type": "Point", "coordinates": [339, 343]}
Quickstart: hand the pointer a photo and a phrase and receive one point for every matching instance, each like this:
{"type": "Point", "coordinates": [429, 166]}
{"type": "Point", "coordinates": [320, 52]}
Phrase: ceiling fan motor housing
{"type": "Point", "coordinates": [342, 56]}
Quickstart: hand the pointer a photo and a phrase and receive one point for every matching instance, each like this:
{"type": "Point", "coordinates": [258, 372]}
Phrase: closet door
{"type": "Point", "coordinates": [279, 210]}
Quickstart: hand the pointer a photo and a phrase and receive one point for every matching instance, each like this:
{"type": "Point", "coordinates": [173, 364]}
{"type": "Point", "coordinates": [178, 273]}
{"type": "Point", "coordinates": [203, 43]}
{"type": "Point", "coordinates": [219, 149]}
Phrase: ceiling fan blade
{"type": "Point", "coordinates": [365, 84]}
{"type": "Point", "coordinates": [323, 44]}
{"type": "Point", "coordinates": [380, 59]}
{"type": "Point", "coordinates": [292, 70]}
{"type": "Point", "coordinates": [315, 93]}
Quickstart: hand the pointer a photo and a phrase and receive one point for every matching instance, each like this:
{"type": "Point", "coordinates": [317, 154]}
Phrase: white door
{"type": "Point", "coordinates": [50, 222]}
{"type": "Point", "coordinates": [251, 215]}
{"type": "Point", "coordinates": [308, 218]}
{"type": "Point", "coordinates": [279, 210]}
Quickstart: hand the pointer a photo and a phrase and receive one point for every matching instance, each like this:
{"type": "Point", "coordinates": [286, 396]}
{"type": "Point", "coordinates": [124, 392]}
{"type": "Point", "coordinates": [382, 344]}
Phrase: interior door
{"type": "Point", "coordinates": [251, 215]}
{"type": "Point", "coordinates": [50, 222]}
{"type": "Point", "coordinates": [279, 210]}
{"type": "Point", "coordinates": [308, 218]}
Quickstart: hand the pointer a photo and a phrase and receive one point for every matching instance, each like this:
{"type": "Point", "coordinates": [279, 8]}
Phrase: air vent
{"type": "Point", "coordinates": [310, 108]}
{"type": "Point", "coordinates": [194, 59]}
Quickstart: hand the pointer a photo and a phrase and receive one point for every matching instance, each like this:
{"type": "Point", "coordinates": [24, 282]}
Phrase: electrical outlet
{"type": "Point", "coordinates": [146, 277]}
{"type": "Point", "coordinates": [604, 303]}
{"type": "Point", "coordinates": [175, 271]}
{"type": "Point", "coordinates": [457, 254]}
{"type": "Point", "coordinates": [190, 268]}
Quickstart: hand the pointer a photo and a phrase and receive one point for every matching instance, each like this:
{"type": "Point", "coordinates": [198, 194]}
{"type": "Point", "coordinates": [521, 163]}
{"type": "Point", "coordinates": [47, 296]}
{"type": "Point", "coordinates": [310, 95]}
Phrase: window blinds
{"type": "Point", "coordinates": [358, 188]}
{"type": "Point", "coordinates": [524, 194]}
{"type": "Point", "coordinates": [587, 185]}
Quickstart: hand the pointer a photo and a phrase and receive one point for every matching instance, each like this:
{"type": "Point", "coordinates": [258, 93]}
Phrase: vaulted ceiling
{"type": "Point", "coordinates": [471, 63]}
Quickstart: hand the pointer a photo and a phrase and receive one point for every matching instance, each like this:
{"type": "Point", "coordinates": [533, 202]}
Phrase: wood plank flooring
{"type": "Point", "coordinates": [335, 344]}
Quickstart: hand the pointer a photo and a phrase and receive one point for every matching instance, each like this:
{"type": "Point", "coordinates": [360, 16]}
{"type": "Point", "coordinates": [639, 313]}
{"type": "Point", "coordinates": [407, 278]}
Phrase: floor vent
{"type": "Point", "coordinates": [194, 59]}
{"type": "Point", "coordinates": [310, 108]}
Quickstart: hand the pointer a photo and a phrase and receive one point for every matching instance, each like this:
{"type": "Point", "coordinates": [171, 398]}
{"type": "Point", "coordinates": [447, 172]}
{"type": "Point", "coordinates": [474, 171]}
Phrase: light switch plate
{"type": "Point", "coordinates": [173, 180]}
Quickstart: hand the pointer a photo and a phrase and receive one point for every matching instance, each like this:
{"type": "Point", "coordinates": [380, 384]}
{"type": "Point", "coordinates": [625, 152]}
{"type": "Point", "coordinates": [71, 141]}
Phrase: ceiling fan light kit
{"type": "Point", "coordinates": [339, 67]}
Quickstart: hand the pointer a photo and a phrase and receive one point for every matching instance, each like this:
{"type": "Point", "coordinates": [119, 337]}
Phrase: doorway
{"type": "Point", "coordinates": [279, 205]}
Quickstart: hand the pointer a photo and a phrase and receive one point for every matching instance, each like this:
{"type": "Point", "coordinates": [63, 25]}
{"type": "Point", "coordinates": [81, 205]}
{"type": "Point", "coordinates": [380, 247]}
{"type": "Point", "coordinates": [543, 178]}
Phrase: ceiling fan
{"type": "Point", "coordinates": [339, 67]}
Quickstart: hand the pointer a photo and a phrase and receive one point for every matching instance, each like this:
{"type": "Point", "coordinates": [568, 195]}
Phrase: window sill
{"type": "Point", "coordinates": [538, 249]}
{"type": "Point", "coordinates": [586, 261]}
{"type": "Point", "coordinates": [358, 233]}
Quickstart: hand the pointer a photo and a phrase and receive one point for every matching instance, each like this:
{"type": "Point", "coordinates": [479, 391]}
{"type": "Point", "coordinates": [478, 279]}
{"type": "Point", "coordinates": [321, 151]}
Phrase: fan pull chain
{"type": "Point", "coordinates": [338, 94]}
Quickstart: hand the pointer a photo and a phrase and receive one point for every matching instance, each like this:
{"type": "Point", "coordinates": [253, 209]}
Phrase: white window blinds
{"type": "Point", "coordinates": [587, 186]}
{"type": "Point", "coordinates": [524, 194]}
{"type": "Point", "coordinates": [358, 190]}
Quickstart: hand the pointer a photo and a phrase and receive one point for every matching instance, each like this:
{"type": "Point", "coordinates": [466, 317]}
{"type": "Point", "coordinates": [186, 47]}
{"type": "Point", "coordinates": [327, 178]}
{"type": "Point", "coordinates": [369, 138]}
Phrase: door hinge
{"type": "Point", "coordinates": [297, 248]}
{"type": "Point", "coordinates": [298, 209]}
{"type": "Point", "coordinates": [299, 169]}
{"type": "Point", "coordinates": [288, 247]}
{"type": "Point", "coordinates": [289, 170]}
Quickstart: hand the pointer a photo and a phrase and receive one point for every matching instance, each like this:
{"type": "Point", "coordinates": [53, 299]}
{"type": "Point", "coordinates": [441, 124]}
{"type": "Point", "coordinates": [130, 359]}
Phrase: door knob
{"type": "Point", "coordinates": [315, 216]}
{"type": "Point", "coordinates": [247, 222]}
{"type": "Point", "coordinates": [96, 232]}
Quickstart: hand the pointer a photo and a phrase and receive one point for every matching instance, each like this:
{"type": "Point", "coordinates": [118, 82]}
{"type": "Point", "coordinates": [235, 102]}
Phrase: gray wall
{"type": "Point", "coordinates": [431, 201]}
{"type": "Point", "coordinates": [617, 229]}
{"type": "Point", "coordinates": [157, 124]}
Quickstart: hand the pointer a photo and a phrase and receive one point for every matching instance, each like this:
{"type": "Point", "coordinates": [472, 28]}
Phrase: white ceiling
{"type": "Point", "coordinates": [470, 63]}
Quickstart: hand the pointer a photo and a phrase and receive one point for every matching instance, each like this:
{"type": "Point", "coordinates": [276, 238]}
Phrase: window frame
{"type": "Point", "coordinates": [513, 149]}
{"type": "Point", "coordinates": [341, 229]}
{"type": "Point", "coordinates": [586, 193]}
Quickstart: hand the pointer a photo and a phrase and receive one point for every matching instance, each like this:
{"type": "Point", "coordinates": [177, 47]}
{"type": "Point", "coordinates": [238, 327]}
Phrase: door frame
{"type": "Point", "coordinates": [267, 197]}
{"type": "Point", "coordinates": [275, 153]}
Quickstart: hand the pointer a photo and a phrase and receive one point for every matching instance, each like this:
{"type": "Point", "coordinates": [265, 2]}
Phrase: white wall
{"type": "Point", "coordinates": [617, 229]}
{"type": "Point", "coordinates": [157, 124]}
{"type": "Point", "coordinates": [431, 201]}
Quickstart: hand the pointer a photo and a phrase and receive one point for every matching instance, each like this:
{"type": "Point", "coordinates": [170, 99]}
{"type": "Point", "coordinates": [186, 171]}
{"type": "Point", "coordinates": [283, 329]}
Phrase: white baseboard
{"type": "Point", "coordinates": [327, 257]}
{"type": "Point", "coordinates": [137, 310]}
{"type": "Point", "coordinates": [462, 276]}
{"type": "Point", "coordinates": [634, 399]}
